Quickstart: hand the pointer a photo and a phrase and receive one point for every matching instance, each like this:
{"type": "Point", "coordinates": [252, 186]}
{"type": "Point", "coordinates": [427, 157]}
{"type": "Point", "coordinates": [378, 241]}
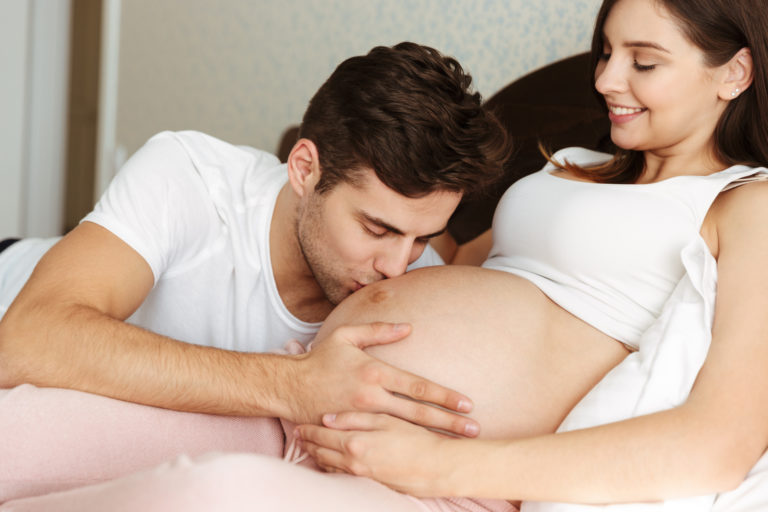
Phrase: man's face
{"type": "Point", "coordinates": [354, 235]}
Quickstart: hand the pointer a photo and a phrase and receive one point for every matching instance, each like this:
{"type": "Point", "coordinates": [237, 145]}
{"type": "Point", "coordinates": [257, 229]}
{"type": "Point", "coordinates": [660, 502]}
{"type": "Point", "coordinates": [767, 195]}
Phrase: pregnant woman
{"type": "Point", "coordinates": [686, 87]}
{"type": "Point", "coordinates": [585, 255]}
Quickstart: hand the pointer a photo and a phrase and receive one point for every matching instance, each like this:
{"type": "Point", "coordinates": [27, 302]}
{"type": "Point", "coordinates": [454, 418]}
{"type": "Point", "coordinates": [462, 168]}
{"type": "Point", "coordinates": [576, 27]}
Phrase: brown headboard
{"type": "Point", "coordinates": [554, 105]}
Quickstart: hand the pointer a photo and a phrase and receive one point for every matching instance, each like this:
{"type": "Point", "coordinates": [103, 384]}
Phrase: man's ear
{"type": "Point", "coordinates": [303, 167]}
{"type": "Point", "coordinates": [738, 75]}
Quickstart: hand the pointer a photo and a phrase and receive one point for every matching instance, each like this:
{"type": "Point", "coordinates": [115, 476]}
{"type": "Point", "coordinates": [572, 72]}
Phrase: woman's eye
{"type": "Point", "coordinates": [605, 55]}
{"type": "Point", "coordinates": [643, 67]}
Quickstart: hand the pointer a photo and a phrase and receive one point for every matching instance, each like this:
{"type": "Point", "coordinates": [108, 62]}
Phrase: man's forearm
{"type": "Point", "coordinates": [80, 348]}
{"type": "Point", "coordinates": [55, 343]}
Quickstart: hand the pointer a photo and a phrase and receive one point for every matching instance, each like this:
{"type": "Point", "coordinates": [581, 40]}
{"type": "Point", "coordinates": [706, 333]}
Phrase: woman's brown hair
{"type": "Point", "coordinates": [720, 28]}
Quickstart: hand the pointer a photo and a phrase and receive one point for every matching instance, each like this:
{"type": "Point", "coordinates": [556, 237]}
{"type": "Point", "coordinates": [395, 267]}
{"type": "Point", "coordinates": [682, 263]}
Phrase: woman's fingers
{"type": "Point", "coordinates": [328, 460]}
{"type": "Point", "coordinates": [336, 450]}
{"type": "Point", "coordinates": [320, 436]}
{"type": "Point", "coordinates": [377, 446]}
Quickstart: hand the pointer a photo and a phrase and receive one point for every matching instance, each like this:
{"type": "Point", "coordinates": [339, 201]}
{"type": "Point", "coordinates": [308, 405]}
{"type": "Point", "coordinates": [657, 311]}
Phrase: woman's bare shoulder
{"type": "Point", "coordinates": [737, 214]}
{"type": "Point", "coordinates": [745, 196]}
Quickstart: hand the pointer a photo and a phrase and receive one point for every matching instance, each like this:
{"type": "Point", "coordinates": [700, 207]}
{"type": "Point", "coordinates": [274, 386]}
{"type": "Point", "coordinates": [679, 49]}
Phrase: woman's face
{"type": "Point", "coordinates": [660, 94]}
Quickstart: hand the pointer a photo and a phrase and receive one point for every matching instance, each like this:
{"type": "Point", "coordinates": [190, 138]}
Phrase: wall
{"type": "Point", "coordinates": [13, 26]}
{"type": "Point", "coordinates": [244, 70]}
{"type": "Point", "coordinates": [240, 69]}
{"type": "Point", "coordinates": [34, 57]}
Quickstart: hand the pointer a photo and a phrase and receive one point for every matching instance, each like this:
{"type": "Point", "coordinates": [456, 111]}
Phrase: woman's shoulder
{"type": "Point", "coordinates": [742, 210]}
{"type": "Point", "coordinates": [749, 193]}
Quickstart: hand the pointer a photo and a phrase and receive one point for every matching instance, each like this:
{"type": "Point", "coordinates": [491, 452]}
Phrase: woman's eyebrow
{"type": "Point", "coordinates": [645, 44]}
{"type": "Point", "coordinates": [638, 44]}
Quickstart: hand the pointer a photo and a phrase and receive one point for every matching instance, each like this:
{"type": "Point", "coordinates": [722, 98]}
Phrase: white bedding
{"type": "Point", "coordinates": [660, 376]}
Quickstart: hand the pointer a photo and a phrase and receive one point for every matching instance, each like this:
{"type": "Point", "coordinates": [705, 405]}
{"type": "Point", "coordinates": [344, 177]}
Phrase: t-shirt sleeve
{"type": "Point", "coordinates": [155, 203]}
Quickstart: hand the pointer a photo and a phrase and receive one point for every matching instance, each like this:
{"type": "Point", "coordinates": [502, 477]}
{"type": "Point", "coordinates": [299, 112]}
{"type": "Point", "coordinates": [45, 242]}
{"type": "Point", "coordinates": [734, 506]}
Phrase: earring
{"type": "Point", "coordinates": [734, 92]}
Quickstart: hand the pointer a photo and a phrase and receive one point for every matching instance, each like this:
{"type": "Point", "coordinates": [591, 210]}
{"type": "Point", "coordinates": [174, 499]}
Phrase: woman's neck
{"type": "Point", "coordinates": [668, 163]}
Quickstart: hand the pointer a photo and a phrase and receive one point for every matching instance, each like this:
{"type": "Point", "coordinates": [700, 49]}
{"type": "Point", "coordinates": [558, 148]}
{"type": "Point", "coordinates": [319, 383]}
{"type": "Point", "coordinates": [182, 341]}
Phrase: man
{"type": "Point", "coordinates": [202, 257]}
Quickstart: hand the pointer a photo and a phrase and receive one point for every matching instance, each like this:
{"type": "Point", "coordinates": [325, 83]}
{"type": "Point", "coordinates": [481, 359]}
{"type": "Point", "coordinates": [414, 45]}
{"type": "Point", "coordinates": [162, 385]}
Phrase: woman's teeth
{"type": "Point", "coordinates": [624, 111]}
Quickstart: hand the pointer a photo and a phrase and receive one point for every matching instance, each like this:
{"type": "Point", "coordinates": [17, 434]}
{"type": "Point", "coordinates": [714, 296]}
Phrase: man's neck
{"type": "Point", "coordinates": [296, 285]}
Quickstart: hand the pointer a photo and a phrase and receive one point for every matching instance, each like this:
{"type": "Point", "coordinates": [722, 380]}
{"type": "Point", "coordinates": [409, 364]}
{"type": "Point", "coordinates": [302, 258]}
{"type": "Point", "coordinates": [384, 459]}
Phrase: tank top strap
{"type": "Point", "coordinates": [708, 188]}
{"type": "Point", "coordinates": [759, 174]}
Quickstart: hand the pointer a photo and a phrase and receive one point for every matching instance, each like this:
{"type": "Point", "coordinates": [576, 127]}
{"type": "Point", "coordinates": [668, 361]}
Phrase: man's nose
{"type": "Point", "coordinates": [394, 259]}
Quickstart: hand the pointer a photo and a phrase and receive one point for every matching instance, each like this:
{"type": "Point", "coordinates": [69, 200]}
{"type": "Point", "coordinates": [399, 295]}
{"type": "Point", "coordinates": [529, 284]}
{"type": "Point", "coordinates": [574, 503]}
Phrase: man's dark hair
{"type": "Point", "coordinates": [406, 112]}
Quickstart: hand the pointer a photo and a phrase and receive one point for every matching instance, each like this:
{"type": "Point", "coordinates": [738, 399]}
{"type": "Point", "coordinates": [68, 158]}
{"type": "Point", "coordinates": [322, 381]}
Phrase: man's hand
{"type": "Point", "coordinates": [337, 375]}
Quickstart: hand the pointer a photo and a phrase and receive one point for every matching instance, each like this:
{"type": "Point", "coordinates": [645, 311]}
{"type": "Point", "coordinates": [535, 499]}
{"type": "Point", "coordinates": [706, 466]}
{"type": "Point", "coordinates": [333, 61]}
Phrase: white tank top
{"type": "Point", "coordinates": [607, 253]}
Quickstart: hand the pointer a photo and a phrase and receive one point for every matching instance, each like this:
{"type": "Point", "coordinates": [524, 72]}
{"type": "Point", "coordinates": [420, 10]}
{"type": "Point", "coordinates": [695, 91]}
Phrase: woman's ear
{"type": "Point", "coordinates": [303, 167]}
{"type": "Point", "coordinates": [738, 75]}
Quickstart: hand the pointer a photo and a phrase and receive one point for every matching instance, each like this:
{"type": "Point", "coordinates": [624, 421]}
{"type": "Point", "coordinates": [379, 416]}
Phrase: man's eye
{"type": "Point", "coordinates": [374, 234]}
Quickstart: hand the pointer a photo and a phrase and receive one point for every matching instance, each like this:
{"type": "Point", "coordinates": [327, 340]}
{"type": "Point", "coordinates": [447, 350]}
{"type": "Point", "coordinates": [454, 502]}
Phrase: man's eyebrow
{"type": "Point", "coordinates": [645, 44]}
{"type": "Point", "coordinates": [392, 229]}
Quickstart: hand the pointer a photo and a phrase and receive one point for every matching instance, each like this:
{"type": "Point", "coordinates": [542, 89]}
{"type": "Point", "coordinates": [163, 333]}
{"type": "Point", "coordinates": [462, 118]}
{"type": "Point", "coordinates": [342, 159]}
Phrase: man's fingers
{"type": "Point", "coordinates": [431, 417]}
{"type": "Point", "coordinates": [356, 420]}
{"type": "Point", "coordinates": [423, 390]}
{"type": "Point", "coordinates": [367, 421]}
{"type": "Point", "coordinates": [376, 333]}
{"type": "Point", "coordinates": [424, 403]}
{"type": "Point", "coordinates": [417, 412]}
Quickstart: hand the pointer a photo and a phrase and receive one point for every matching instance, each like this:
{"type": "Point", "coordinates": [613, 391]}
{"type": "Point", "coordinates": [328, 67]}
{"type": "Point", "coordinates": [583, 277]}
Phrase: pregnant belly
{"type": "Point", "coordinates": [493, 336]}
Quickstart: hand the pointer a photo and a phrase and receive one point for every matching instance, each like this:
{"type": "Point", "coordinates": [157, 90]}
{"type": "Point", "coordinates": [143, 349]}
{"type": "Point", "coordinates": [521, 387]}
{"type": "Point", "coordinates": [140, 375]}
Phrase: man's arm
{"type": "Point", "coordinates": [66, 329]}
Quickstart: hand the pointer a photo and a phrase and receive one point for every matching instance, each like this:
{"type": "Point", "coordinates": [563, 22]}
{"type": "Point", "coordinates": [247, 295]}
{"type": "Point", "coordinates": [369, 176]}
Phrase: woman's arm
{"type": "Point", "coordinates": [706, 445]}
{"type": "Point", "coordinates": [472, 253]}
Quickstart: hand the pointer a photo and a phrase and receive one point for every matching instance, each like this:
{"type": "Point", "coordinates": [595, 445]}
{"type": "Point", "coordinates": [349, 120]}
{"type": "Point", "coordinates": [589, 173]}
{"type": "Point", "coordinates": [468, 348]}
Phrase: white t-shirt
{"type": "Point", "coordinates": [198, 210]}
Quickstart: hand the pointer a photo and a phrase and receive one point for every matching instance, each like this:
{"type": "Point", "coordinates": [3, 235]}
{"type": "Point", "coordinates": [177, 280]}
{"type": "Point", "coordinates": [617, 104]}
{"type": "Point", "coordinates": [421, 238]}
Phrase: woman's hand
{"type": "Point", "coordinates": [401, 455]}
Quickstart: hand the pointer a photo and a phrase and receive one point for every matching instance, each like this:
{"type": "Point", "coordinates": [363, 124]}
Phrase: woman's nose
{"type": "Point", "coordinates": [609, 77]}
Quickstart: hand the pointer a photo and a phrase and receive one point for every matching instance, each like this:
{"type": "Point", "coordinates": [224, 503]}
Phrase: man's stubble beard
{"type": "Point", "coordinates": [307, 229]}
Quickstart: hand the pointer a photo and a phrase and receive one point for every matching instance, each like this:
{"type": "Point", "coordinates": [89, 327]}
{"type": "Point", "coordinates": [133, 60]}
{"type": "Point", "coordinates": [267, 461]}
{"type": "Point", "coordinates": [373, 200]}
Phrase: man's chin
{"type": "Point", "coordinates": [340, 293]}
{"type": "Point", "coordinates": [337, 296]}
